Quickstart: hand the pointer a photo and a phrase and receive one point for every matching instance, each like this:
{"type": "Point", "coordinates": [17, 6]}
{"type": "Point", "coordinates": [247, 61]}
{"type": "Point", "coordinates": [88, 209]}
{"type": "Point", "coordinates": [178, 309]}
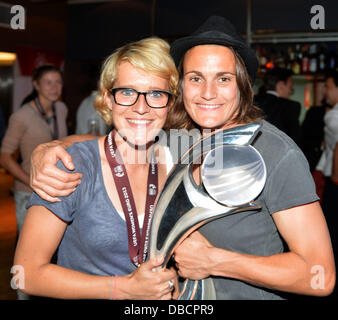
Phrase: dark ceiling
{"type": "Point", "coordinates": [93, 28]}
{"type": "Point", "coordinates": [107, 25]}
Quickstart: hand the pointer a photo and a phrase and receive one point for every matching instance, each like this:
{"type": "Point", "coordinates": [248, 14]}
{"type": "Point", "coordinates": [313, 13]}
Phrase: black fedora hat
{"type": "Point", "coordinates": [216, 30]}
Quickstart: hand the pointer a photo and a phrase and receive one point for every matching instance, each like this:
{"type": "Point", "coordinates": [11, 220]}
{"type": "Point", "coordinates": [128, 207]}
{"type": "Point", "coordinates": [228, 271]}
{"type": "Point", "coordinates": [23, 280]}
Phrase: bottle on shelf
{"type": "Point", "coordinates": [305, 59]}
{"type": "Point", "coordinates": [271, 59]}
{"type": "Point", "coordinates": [296, 65]}
{"type": "Point", "coordinates": [279, 60]}
{"type": "Point", "coordinates": [332, 58]}
{"type": "Point", "coordinates": [263, 60]}
{"type": "Point", "coordinates": [313, 59]}
{"type": "Point", "coordinates": [290, 59]}
{"type": "Point", "coordinates": [321, 60]}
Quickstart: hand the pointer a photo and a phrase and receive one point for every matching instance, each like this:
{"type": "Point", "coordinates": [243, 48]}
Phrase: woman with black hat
{"type": "Point", "coordinates": [244, 253]}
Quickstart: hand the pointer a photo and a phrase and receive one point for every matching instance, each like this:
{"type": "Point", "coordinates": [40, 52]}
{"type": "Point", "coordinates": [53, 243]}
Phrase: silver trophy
{"type": "Point", "coordinates": [233, 175]}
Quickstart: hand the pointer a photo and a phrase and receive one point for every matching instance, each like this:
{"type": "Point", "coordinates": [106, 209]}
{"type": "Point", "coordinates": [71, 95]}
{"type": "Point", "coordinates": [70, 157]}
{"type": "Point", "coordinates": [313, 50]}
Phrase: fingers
{"type": "Point", "coordinates": [153, 263]}
{"type": "Point", "coordinates": [166, 290]}
{"type": "Point", "coordinates": [160, 284]}
{"type": "Point", "coordinates": [47, 155]}
{"type": "Point", "coordinates": [176, 291]}
{"type": "Point", "coordinates": [65, 157]}
{"type": "Point", "coordinates": [55, 183]}
{"type": "Point", "coordinates": [45, 196]}
{"type": "Point", "coordinates": [46, 179]}
{"type": "Point", "coordinates": [52, 172]}
{"type": "Point", "coordinates": [167, 296]}
{"type": "Point", "coordinates": [175, 294]}
{"type": "Point", "coordinates": [53, 192]}
{"type": "Point", "coordinates": [61, 178]}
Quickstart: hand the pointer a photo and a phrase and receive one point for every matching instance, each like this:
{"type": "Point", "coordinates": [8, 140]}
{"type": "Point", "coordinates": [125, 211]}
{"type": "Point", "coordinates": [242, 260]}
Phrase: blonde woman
{"type": "Point", "coordinates": [100, 241]}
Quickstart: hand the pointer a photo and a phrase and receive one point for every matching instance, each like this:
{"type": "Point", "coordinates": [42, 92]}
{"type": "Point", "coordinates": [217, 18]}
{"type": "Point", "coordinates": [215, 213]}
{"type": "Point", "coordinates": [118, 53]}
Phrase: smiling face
{"type": "Point", "coordinates": [49, 87]}
{"type": "Point", "coordinates": [139, 123]}
{"type": "Point", "coordinates": [210, 91]}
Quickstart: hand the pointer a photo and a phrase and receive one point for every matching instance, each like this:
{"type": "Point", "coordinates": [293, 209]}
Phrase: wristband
{"type": "Point", "coordinates": [113, 287]}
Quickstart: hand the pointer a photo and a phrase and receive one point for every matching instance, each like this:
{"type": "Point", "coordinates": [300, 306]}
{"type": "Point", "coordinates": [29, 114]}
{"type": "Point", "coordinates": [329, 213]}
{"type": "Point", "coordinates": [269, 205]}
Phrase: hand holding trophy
{"type": "Point", "coordinates": [233, 175]}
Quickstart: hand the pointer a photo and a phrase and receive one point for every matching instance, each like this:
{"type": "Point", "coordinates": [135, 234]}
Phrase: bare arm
{"type": "Point", "coordinates": [41, 234]}
{"type": "Point", "coordinates": [304, 230]}
{"type": "Point", "coordinates": [46, 179]}
{"type": "Point", "coordinates": [12, 166]}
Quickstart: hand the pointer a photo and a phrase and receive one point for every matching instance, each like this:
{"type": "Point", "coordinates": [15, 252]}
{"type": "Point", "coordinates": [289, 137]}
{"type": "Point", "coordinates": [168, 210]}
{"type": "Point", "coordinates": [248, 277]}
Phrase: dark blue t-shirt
{"type": "Point", "coordinates": [95, 240]}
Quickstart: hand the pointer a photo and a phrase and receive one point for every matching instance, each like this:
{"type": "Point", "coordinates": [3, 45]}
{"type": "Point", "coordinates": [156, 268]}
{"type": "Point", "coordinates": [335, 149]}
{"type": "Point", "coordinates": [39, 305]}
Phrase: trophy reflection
{"type": "Point", "coordinates": [233, 175]}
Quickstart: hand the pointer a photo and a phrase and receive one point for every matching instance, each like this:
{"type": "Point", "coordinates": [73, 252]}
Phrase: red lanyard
{"type": "Point", "coordinates": [138, 245]}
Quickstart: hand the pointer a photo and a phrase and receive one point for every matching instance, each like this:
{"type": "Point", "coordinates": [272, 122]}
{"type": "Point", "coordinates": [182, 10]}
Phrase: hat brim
{"type": "Point", "coordinates": [182, 45]}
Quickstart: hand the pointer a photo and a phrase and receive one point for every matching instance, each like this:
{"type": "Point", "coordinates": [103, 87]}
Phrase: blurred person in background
{"type": "Point", "coordinates": [328, 160]}
{"type": "Point", "coordinates": [311, 140]}
{"type": "Point", "coordinates": [276, 105]}
{"type": "Point", "coordinates": [41, 119]}
{"type": "Point", "coordinates": [88, 121]}
{"type": "Point", "coordinates": [312, 133]}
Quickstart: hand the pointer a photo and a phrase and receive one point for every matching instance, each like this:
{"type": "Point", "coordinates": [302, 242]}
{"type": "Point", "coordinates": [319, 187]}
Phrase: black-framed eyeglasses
{"type": "Point", "coordinates": [128, 97]}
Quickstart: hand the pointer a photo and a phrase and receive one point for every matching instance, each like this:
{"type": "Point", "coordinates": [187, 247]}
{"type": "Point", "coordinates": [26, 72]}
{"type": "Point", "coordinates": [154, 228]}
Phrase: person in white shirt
{"type": "Point", "coordinates": [331, 125]}
{"type": "Point", "coordinates": [326, 163]}
{"type": "Point", "coordinates": [88, 120]}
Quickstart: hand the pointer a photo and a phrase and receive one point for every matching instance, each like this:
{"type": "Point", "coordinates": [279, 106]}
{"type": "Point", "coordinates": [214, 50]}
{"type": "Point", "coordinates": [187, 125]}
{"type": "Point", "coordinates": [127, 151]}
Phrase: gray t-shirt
{"type": "Point", "coordinates": [95, 240]}
{"type": "Point", "coordinates": [289, 183]}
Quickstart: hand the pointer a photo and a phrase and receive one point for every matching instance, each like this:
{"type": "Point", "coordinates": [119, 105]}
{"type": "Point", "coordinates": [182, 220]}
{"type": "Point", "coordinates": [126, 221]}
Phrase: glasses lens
{"type": "Point", "coordinates": [125, 96]}
{"type": "Point", "coordinates": [157, 99]}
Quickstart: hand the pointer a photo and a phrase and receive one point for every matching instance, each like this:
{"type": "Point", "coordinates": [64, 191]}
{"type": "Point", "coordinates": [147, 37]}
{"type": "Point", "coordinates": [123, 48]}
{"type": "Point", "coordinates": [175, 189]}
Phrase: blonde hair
{"type": "Point", "coordinates": [150, 55]}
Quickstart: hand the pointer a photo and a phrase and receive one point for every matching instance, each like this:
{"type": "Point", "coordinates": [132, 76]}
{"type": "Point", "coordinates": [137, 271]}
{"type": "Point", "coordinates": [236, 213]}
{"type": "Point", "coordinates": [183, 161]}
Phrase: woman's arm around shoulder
{"type": "Point", "coordinates": [48, 181]}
